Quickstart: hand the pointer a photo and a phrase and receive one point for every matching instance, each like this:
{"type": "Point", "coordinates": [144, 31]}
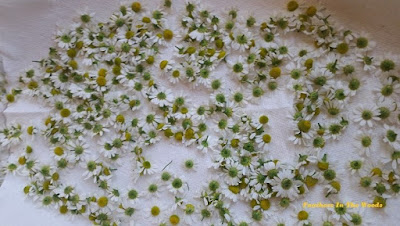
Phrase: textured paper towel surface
{"type": "Point", "coordinates": [26, 31]}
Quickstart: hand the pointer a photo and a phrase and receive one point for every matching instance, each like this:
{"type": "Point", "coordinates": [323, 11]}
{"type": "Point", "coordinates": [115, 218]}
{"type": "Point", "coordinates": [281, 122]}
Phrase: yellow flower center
{"type": "Point", "coordinates": [73, 64]}
{"type": "Point", "coordinates": [63, 209]}
{"type": "Point", "coordinates": [29, 130]}
{"type": "Point", "coordinates": [265, 204]}
{"type": "Point", "coordinates": [10, 98]}
{"type": "Point", "coordinates": [311, 11]}
{"type": "Point", "coordinates": [102, 201]}
{"type": "Point", "coordinates": [178, 136]}
{"type": "Point", "coordinates": [163, 64]}
{"type": "Point", "coordinates": [174, 219]}
{"type": "Point", "coordinates": [65, 112]}
{"type": "Point", "coordinates": [150, 60]}
{"type": "Point", "coordinates": [266, 138]}
{"type": "Point", "coordinates": [120, 119]}
{"type": "Point", "coordinates": [302, 215]}
{"type": "Point", "coordinates": [304, 125]}
{"type": "Point", "coordinates": [59, 151]}
{"type": "Point", "coordinates": [155, 211]}
{"type": "Point", "coordinates": [136, 7]}
{"type": "Point", "coordinates": [234, 189]}
{"type": "Point", "coordinates": [292, 6]}
{"type": "Point", "coordinates": [275, 72]}
{"type": "Point", "coordinates": [376, 171]}
{"type": "Point", "coordinates": [168, 34]}
{"type": "Point", "coordinates": [102, 72]}
{"type": "Point", "coordinates": [101, 81]}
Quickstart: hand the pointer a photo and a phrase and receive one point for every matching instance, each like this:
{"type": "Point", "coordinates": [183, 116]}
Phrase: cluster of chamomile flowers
{"type": "Point", "coordinates": [324, 77]}
{"type": "Point", "coordinates": [104, 83]}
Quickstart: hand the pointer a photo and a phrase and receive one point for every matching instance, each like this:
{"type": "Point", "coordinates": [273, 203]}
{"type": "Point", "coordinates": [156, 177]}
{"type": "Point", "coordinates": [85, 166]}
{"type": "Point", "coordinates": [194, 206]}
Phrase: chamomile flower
{"type": "Point", "coordinates": [92, 169]}
{"type": "Point", "coordinates": [156, 213]}
{"type": "Point", "coordinates": [223, 154]}
{"type": "Point", "coordinates": [327, 219]}
{"type": "Point", "coordinates": [392, 158]}
{"type": "Point", "coordinates": [366, 115]}
{"type": "Point", "coordinates": [161, 98]}
{"type": "Point", "coordinates": [302, 216]}
{"type": "Point", "coordinates": [238, 66]}
{"type": "Point", "coordinates": [388, 89]}
{"type": "Point", "coordinates": [233, 173]}
{"type": "Point", "coordinates": [243, 220]}
{"type": "Point", "coordinates": [175, 75]}
{"type": "Point", "coordinates": [114, 195]}
{"type": "Point", "coordinates": [339, 212]}
{"type": "Point", "coordinates": [241, 39]}
{"type": "Point", "coordinates": [177, 185]}
{"type": "Point", "coordinates": [358, 217]}
{"type": "Point", "coordinates": [285, 185]}
{"type": "Point", "coordinates": [144, 167]}
{"type": "Point", "coordinates": [59, 152]}
{"type": "Point", "coordinates": [364, 142]}
{"type": "Point", "coordinates": [263, 140]}
{"type": "Point", "coordinates": [132, 195]}
{"type": "Point", "coordinates": [354, 85]}
{"type": "Point", "coordinates": [355, 165]}
{"type": "Point", "coordinates": [189, 213]}
{"type": "Point", "coordinates": [154, 190]}
{"type": "Point", "coordinates": [206, 143]}
{"type": "Point", "coordinates": [278, 221]}
{"type": "Point", "coordinates": [387, 63]}
{"type": "Point", "coordinates": [190, 164]}
{"type": "Point", "coordinates": [65, 39]}
{"type": "Point", "coordinates": [151, 120]}
{"type": "Point", "coordinates": [80, 149]}
{"type": "Point", "coordinates": [319, 77]}
{"type": "Point", "coordinates": [232, 192]}
{"type": "Point", "coordinates": [391, 137]}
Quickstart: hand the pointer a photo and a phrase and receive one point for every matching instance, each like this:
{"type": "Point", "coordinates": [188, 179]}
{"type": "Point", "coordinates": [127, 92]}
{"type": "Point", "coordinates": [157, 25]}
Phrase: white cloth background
{"type": "Point", "coordinates": [26, 33]}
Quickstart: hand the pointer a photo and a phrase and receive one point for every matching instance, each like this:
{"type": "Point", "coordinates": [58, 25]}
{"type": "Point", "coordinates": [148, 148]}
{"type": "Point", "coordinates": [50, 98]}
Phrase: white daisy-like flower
{"type": "Point", "coordinates": [233, 173]}
{"type": "Point", "coordinates": [151, 136]}
{"type": "Point", "coordinates": [263, 140]}
{"type": "Point", "coordinates": [145, 167]}
{"type": "Point", "coordinates": [242, 39]}
{"type": "Point", "coordinates": [161, 97]}
{"type": "Point", "coordinates": [285, 185]}
{"type": "Point", "coordinates": [177, 185]}
{"type": "Point", "coordinates": [65, 39]}
{"type": "Point", "coordinates": [364, 142]}
{"type": "Point", "coordinates": [302, 216]}
{"type": "Point", "coordinates": [206, 143]}
{"type": "Point", "coordinates": [156, 213]}
{"type": "Point", "coordinates": [355, 165]}
{"type": "Point", "coordinates": [340, 211]}
{"type": "Point", "coordinates": [393, 158]}
{"type": "Point", "coordinates": [114, 195]}
{"type": "Point", "coordinates": [132, 196]}
{"type": "Point", "coordinates": [391, 136]}
{"type": "Point", "coordinates": [80, 149]}
{"type": "Point", "coordinates": [319, 77]}
{"type": "Point", "coordinates": [388, 90]}
{"type": "Point", "coordinates": [149, 121]}
{"type": "Point", "coordinates": [327, 219]}
{"type": "Point", "coordinates": [367, 61]}
{"type": "Point", "coordinates": [107, 149]}
{"type": "Point", "coordinates": [232, 192]}
{"type": "Point", "coordinates": [238, 65]}
{"type": "Point", "coordinates": [154, 190]}
{"type": "Point", "coordinates": [92, 169]}
{"type": "Point", "coordinates": [190, 212]}
{"type": "Point", "coordinates": [366, 115]}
